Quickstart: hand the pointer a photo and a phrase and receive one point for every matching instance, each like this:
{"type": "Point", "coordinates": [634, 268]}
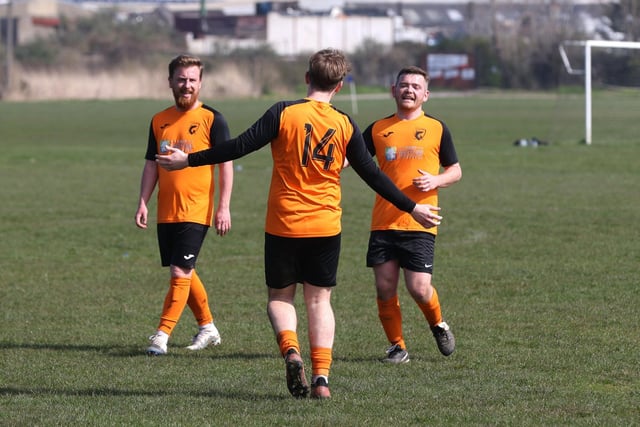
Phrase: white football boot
{"type": "Point", "coordinates": [208, 335]}
{"type": "Point", "coordinates": [158, 344]}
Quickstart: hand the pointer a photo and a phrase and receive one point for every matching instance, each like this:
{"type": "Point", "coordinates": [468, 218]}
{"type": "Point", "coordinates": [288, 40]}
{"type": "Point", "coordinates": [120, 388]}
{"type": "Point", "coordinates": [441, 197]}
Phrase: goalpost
{"type": "Point", "coordinates": [588, 45]}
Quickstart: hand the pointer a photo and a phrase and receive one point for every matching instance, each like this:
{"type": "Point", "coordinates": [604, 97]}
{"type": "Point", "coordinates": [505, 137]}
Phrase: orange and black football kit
{"type": "Point", "coordinates": [185, 204]}
{"type": "Point", "coordinates": [186, 195]}
{"type": "Point", "coordinates": [309, 141]}
{"type": "Point", "coordinates": [402, 147]}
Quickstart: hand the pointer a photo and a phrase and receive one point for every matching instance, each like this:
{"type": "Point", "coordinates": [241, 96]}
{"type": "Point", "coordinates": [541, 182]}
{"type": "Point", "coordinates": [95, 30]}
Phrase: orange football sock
{"type": "Point", "coordinates": [198, 301]}
{"type": "Point", "coordinates": [391, 319]}
{"type": "Point", "coordinates": [321, 359]}
{"type": "Point", "coordinates": [288, 340]}
{"type": "Point", "coordinates": [174, 303]}
{"type": "Point", "coordinates": [431, 309]}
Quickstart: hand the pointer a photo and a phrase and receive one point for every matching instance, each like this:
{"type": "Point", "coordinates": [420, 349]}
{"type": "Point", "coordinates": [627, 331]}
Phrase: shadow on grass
{"type": "Point", "coordinates": [178, 352]}
{"type": "Point", "coordinates": [131, 351]}
{"type": "Point", "coordinates": [115, 392]}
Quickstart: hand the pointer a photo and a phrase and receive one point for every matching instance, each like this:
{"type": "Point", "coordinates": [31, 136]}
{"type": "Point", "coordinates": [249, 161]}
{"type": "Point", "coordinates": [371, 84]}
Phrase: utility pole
{"type": "Point", "coordinates": [494, 24]}
{"type": "Point", "coordinates": [9, 50]}
{"type": "Point", "coordinates": [204, 26]}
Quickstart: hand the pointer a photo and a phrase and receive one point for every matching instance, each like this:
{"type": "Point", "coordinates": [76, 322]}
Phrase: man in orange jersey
{"type": "Point", "coordinates": [310, 140]}
{"type": "Point", "coordinates": [185, 200]}
{"type": "Point", "coordinates": [411, 148]}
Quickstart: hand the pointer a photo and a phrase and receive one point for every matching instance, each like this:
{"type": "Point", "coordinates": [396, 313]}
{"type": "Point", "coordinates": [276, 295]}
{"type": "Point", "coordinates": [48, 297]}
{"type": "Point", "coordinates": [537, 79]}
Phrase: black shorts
{"type": "Point", "coordinates": [412, 249]}
{"type": "Point", "coordinates": [289, 260]}
{"type": "Point", "coordinates": [180, 243]}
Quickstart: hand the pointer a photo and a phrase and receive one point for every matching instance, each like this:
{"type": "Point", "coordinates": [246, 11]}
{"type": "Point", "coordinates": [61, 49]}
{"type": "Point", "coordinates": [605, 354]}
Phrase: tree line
{"type": "Point", "coordinates": [527, 60]}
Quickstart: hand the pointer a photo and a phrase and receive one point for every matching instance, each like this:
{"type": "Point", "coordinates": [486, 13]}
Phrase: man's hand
{"type": "Point", "coordinates": [426, 215]}
{"type": "Point", "coordinates": [141, 216]}
{"type": "Point", "coordinates": [222, 221]}
{"type": "Point", "coordinates": [425, 181]}
{"type": "Point", "coordinates": [175, 160]}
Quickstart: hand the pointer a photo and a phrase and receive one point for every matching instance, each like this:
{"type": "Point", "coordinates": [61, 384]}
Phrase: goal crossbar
{"type": "Point", "coordinates": [588, 46]}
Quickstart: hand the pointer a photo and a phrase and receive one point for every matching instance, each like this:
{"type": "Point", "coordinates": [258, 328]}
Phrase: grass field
{"type": "Point", "coordinates": [536, 266]}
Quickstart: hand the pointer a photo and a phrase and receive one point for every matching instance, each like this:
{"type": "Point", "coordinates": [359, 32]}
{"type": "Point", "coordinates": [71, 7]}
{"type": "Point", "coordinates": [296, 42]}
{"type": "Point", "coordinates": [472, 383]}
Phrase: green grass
{"type": "Point", "coordinates": [536, 267]}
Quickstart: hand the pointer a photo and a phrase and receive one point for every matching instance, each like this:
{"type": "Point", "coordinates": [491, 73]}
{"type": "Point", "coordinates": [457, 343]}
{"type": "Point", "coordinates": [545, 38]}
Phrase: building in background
{"type": "Point", "coordinates": [29, 19]}
{"type": "Point", "coordinates": [290, 28]}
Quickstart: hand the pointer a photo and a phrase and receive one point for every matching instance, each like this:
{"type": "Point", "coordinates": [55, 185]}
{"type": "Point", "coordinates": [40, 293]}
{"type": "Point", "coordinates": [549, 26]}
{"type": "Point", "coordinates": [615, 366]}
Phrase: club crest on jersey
{"type": "Point", "coordinates": [194, 128]}
{"type": "Point", "coordinates": [420, 133]}
{"type": "Point", "coordinates": [163, 145]}
{"type": "Point", "coordinates": [390, 153]}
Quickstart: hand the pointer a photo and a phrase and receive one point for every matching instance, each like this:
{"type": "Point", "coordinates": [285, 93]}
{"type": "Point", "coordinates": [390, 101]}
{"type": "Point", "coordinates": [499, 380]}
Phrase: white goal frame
{"type": "Point", "coordinates": [588, 45]}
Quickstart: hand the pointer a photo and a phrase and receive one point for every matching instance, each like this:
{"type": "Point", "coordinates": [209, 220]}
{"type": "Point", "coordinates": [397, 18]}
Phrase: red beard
{"type": "Point", "coordinates": [185, 103]}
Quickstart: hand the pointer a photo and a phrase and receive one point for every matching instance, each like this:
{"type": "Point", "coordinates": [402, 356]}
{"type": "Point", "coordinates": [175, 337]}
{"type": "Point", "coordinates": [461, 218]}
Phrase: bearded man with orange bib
{"type": "Point", "coordinates": [185, 201]}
